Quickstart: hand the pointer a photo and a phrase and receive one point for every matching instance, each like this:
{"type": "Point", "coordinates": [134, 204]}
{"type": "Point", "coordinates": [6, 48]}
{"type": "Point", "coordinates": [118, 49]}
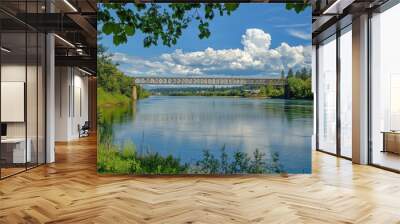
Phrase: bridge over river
{"type": "Point", "coordinates": [208, 81]}
{"type": "Point", "coordinates": [151, 80]}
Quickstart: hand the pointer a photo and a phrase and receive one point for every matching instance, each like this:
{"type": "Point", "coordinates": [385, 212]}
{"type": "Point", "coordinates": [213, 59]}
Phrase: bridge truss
{"type": "Point", "coordinates": [208, 81]}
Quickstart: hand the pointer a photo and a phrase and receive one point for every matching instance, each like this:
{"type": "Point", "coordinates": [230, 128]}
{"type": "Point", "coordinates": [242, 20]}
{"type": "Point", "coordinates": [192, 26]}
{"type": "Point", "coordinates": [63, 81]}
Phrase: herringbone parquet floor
{"type": "Point", "coordinates": [70, 191]}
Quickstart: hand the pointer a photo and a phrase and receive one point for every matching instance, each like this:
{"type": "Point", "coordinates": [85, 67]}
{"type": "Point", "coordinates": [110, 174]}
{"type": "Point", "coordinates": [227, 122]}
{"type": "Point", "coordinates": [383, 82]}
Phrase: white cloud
{"type": "Point", "coordinates": [256, 41]}
{"type": "Point", "coordinates": [300, 34]}
{"type": "Point", "coordinates": [256, 58]}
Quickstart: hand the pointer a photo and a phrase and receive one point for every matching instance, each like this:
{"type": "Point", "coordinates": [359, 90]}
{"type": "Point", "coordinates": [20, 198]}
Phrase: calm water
{"type": "Point", "coordinates": [185, 126]}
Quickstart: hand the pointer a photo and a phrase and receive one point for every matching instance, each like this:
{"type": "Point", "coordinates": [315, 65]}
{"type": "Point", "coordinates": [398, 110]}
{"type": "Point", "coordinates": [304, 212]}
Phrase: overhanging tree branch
{"type": "Point", "coordinates": [164, 23]}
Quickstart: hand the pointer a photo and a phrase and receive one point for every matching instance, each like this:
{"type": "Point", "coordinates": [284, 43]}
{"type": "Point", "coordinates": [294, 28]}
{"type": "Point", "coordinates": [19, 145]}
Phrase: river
{"type": "Point", "coordinates": [185, 126]}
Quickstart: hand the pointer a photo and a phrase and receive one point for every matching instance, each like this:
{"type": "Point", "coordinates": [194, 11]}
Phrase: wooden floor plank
{"type": "Point", "coordinates": [70, 191]}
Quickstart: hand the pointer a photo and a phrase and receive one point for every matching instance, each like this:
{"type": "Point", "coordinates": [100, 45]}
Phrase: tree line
{"type": "Point", "coordinates": [114, 87]}
{"type": "Point", "coordinates": [298, 85]}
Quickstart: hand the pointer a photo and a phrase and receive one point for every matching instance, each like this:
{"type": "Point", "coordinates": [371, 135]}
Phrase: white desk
{"type": "Point", "coordinates": [19, 154]}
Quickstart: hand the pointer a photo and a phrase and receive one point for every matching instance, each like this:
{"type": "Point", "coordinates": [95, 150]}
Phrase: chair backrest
{"type": "Point", "coordinates": [86, 125]}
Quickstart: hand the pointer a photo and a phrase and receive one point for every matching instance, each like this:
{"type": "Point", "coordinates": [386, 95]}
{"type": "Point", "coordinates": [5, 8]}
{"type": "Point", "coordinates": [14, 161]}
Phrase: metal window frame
{"type": "Point", "coordinates": [381, 9]}
{"type": "Point", "coordinates": [386, 6]}
{"type": "Point", "coordinates": [338, 95]}
{"type": "Point", "coordinates": [317, 98]}
{"type": "Point", "coordinates": [338, 33]}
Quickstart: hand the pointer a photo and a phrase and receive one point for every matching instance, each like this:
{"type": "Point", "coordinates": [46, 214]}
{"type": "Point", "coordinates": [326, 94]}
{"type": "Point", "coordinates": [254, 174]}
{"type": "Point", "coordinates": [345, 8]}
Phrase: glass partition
{"type": "Point", "coordinates": [13, 94]}
{"type": "Point", "coordinates": [22, 90]}
{"type": "Point", "coordinates": [385, 89]}
{"type": "Point", "coordinates": [346, 92]}
{"type": "Point", "coordinates": [327, 95]}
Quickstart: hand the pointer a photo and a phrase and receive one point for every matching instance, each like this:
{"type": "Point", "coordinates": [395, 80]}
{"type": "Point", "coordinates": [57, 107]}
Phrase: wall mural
{"type": "Point", "coordinates": [230, 89]}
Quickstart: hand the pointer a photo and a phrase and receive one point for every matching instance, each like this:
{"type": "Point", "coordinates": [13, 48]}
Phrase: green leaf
{"type": "Point", "coordinates": [108, 28]}
{"type": "Point", "coordinates": [154, 21]}
{"type": "Point", "coordinates": [231, 6]}
{"type": "Point", "coordinates": [297, 7]}
{"type": "Point", "coordinates": [117, 40]}
{"type": "Point", "coordinates": [129, 30]}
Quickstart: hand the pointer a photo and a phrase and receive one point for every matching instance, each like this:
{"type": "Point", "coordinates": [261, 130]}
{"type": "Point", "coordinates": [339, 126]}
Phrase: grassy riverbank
{"type": "Point", "coordinates": [124, 159]}
{"type": "Point", "coordinates": [108, 99]}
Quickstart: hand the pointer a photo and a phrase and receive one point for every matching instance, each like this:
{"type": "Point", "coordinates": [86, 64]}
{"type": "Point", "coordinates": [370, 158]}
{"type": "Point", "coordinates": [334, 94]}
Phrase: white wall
{"type": "Point", "coordinates": [62, 82]}
{"type": "Point", "coordinates": [80, 94]}
{"type": "Point", "coordinates": [13, 72]}
{"type": "Point", "coordinates": [71, 87]}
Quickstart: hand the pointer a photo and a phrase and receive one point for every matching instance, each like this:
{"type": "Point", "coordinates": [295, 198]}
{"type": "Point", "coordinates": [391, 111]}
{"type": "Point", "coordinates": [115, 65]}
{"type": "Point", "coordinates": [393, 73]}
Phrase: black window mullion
{"type": "Point", "coordinates": [45, 89]}
{"type": "Point", "coordinates": [37, 90]}
{"type": "Point", "coordinates": [338, 76]}
{"type": "Point", "coordinates": [369, 95]}
{"type": "Point", "coordinates": [316, 96]}
{"type": "Point", "coordinates": [26, 86]}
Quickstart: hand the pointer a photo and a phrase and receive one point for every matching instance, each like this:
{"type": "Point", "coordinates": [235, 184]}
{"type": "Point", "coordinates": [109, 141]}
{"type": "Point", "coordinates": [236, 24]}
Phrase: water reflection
{"type": "Point", "coordinates": [186, 126]}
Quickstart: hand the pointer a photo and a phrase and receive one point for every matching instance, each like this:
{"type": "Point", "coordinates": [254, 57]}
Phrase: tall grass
{"type": "Point", "coordinates": [126, 160]}
{"type": "Point", "coordinates": [105, 98]}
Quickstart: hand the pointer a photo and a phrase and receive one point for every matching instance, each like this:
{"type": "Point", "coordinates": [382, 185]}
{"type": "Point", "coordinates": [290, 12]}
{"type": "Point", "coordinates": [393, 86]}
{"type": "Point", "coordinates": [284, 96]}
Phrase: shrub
{"type": "Point", "coordinates": [125, 160]}
{"type": "Point", "coordinates": [241, 163]}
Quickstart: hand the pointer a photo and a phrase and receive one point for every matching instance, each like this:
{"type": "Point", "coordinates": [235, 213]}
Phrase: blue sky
{"type": "Point", "coordinates": [247, 43]}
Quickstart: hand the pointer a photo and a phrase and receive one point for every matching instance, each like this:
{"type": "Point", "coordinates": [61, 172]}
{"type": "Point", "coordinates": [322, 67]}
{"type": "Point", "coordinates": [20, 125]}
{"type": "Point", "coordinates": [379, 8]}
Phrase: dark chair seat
{"type": "Point", "coordinates": [84, 130]}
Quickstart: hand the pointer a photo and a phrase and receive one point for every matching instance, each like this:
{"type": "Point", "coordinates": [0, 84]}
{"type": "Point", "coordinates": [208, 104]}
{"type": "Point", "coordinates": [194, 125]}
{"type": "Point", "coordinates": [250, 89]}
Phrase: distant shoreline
{"type": "Point", "coordinates": [249, 97]}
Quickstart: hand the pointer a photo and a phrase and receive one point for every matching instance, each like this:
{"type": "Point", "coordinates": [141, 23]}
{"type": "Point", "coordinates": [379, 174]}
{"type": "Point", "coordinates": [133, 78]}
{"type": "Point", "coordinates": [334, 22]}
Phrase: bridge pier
{"type": "Point", "coordinates": [134, 93]}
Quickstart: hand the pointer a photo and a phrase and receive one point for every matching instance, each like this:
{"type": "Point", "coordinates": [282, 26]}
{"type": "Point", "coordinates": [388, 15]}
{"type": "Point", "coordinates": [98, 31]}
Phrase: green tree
{"type": "Point", "coordinates": [263, 91]}
{"type": "Point", "coordinates": [111, 81]}
{"type": "Point", "coordinates": [298, 74]}
{"type": "Point", "coordinates": [305, 73]}
{"type": "Point", "coordinates": [290, 73]}
{"type": "Point", "coordinates": [295, 87]}
{"type": "Point", "coordinates": [299, 88]}
{"type": "Point", "coordinates": [165, 23]}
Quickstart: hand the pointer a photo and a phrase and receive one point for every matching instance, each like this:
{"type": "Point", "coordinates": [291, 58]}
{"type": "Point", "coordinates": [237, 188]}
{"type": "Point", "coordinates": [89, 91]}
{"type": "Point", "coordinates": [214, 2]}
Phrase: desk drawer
{"type": "Point", "coordinates": [392, 142]}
